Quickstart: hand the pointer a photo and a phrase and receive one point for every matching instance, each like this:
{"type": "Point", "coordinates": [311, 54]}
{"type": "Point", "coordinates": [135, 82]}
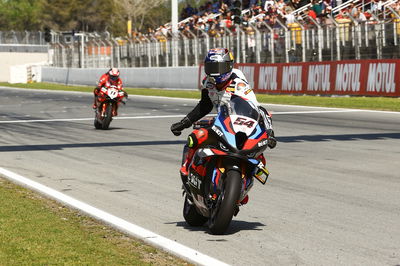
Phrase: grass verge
{"type": "Point", "coordinates": [38, 231]}
{"type": "Point", "coordinates": [369, 103]}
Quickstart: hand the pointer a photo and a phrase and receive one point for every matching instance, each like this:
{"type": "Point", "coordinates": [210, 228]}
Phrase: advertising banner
{"type": "Point", "coordinates": [352, 77]}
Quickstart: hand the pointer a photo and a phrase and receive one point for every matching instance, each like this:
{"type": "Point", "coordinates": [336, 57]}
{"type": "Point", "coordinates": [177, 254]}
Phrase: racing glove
{"type": "Point", "coordinates": [176, 128]}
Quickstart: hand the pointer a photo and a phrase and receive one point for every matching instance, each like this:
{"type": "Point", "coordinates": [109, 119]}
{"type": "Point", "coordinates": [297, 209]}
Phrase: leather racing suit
{"type": "Point", "coordinates": [211, 97]}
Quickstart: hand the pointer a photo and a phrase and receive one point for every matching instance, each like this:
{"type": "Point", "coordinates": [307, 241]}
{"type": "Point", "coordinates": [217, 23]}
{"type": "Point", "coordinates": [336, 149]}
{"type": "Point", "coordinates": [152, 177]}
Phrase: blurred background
{"type": "Point", "coordinates": [136, 33]}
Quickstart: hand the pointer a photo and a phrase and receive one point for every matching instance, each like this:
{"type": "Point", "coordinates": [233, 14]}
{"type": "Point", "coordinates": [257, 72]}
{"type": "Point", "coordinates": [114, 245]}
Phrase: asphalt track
{"type": "Point", "coordinates": [332, 198]}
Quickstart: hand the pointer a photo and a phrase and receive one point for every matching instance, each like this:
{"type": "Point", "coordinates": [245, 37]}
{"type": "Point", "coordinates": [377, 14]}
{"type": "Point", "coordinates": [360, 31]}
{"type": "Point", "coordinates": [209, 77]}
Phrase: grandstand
{"type": "Point", "coordinates": [275, 32]}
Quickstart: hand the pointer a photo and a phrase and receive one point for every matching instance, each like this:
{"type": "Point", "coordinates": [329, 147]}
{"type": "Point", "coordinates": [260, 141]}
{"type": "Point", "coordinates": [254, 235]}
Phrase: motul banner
{"type": "Point", "coordinates": [352, 77]}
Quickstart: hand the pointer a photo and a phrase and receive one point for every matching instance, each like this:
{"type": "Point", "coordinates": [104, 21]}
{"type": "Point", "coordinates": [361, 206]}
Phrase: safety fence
{"type": "Point", "coordinates": [22, 37]}
{"type": "Point", "coordinates": [23, 42]}
{"type": "Point", "coordinates": [348, 77]}
{"type": "Point", "coordinates": [258, 43]}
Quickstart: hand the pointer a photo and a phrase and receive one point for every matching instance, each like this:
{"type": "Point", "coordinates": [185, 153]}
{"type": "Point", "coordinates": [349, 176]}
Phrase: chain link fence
{"type": "Point", "coordinates": [24, 42]}
{"type": "Point", "coordinates": [258, 43]}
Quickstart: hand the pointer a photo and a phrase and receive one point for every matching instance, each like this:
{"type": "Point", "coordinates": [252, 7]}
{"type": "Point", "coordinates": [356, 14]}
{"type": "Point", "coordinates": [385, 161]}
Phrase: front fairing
{"type": "Point", "coordinates": [111, 93]}
{"type": "Point", "coordinates": [237, 138]}
{"type": "Point", "coordinates": [237, 127]}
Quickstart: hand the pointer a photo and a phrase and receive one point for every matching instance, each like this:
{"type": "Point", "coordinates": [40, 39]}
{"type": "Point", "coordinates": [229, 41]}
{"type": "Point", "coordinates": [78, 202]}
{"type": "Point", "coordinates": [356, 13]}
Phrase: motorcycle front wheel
{"type": "Point", "coordinates": [107, 116]}
{"type": "Point", "coordinates": [97, 123]}
{"type": "Point", "coordinates": [222, 215]}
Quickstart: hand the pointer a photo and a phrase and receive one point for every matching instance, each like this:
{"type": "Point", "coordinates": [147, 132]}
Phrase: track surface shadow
{"type": "Point", "coordinates": [48, 147]}
{"type": "Point", "coordinates": [235, 226]}
{"type": "Point", "coordinates": [287, 139]}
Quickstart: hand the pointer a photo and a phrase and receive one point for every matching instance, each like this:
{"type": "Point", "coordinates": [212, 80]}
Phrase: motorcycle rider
{"type": "Point", "coordinates": [221, 81]}
{"type": "Point", "coordinates": [110, 78]}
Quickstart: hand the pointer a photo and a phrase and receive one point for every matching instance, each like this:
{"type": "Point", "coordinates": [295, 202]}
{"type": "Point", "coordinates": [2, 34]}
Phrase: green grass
{"type": "Point", "coordinates": [38, 231]}
{"type": "Point", "coordinates": [370, 103]}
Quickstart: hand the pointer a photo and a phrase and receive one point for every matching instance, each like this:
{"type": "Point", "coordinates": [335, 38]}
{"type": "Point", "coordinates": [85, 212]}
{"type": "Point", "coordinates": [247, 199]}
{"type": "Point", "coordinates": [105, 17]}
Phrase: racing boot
{"type": "Point", "coordinates": [184, 177]}
{"type": "Point", "coordinates": [184, 170]}
{"type": "Point", "coordinates": [115, 110]}
{"type": "Point", "coordinates": [185, 166]}
{"type": "Point", "coordinates": [245, 200]}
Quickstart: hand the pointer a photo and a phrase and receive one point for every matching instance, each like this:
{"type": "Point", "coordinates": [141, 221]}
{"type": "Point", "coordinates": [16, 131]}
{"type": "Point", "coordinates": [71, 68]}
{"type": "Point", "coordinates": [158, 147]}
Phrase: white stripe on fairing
{"type": "Point", "coordinates": [164, 243]}
{"type": "Point", "coordinates": [314, 112]}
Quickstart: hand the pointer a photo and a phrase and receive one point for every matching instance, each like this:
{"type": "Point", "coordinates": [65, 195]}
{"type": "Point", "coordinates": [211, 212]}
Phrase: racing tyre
{"type": "Point", "coordinates": [192, 217]}
{"type": "Point", "coordinates": [223, 213]}
{"type": "Point", "coordinates": [107, 117]}
{"type": "Point", "coordinates": [97, 124]}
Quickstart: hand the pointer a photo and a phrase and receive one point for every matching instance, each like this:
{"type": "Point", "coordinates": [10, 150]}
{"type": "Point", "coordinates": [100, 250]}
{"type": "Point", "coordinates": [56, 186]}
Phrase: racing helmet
{"type": "Point", "coordinates": [218, 64]}
{"type": "Point", "coordinates": [114, 74]}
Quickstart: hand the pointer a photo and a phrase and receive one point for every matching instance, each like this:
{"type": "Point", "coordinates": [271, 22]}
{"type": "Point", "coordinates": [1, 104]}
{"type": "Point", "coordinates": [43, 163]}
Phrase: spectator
{"type": "Point", "coordinates": [268, 3]}
{"type": "Point", "coordinates": [374, 6]}
{"type": "Point", "coordinates": [311, 13]}
{"type": "Point", "coordinates": [328, 18]}
{"type": "Point", "coordinates": [289, 17]}
{"type": "Point", "coordinates": [361, 17]}
{"type": "Point", "coordinates": [353, 11]}
{"type": "Point", "coordinates": [316, 7]}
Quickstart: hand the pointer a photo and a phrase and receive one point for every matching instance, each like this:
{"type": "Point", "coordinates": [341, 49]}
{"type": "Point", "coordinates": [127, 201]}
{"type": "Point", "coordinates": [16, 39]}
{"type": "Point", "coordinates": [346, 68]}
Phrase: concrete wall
{"type": "Point", "coordinates": [11, 59]}
{"type": "Point", "coordinates": [162, 77]}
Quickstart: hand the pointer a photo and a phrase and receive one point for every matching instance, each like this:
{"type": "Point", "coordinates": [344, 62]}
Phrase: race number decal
{"type": "Point", "coordinates": [112, 93]}
{"type": "Point", "coordinates": [241, 121]}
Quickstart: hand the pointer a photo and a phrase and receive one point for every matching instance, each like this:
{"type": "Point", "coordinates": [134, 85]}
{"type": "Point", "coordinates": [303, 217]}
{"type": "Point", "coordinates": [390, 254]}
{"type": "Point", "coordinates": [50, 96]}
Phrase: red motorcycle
{"type": "Point", "coordinates": [108, 100]}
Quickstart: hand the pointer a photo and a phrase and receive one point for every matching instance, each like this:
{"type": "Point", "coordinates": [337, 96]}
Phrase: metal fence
{"type": "Point", "coordinates": [22, 37]}
{"type": "Point", "coordinates": [23, 42]}
{"type": "Point", "coordinates": [258, 43]}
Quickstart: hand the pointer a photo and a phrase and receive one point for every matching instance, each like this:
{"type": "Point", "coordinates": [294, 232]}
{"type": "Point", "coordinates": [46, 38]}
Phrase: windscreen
{"type": "Point", "coordinates": [239, 106]}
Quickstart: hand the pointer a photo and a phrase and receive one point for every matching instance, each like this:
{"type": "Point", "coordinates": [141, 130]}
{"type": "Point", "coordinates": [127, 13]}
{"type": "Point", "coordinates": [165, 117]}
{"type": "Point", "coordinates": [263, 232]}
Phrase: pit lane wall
{"type": "Point", "coordinates": [154, 77]}
{"type": "Point", "coordinates": [353, 77]}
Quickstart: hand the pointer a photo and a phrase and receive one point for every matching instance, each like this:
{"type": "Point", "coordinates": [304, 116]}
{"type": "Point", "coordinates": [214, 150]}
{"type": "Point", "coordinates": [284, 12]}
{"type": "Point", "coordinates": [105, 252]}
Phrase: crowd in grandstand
{"type": "Point", "coordinates": [215, 17]}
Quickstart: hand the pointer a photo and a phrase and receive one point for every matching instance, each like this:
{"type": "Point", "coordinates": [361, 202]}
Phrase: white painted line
{"type": "Point", "coordinates": [196, 100]}
{"type": "Point", "coordinates": [45, 120]}
{"type": "Point", "coordinates": [164, 116]}
{"type": "Point", "coordinates": [87, 119]}
{"type": "Point", "coordinates": [314, 112]}
{"type": "Point", "coordinates": [164, 243]}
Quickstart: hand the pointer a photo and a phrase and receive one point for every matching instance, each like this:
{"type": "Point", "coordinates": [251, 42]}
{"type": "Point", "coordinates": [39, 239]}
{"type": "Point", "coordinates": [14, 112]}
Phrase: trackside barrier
{"type": "Point", "coordinates": [154, 77]}
{"type": "Point", "coordinates": [350, 77]}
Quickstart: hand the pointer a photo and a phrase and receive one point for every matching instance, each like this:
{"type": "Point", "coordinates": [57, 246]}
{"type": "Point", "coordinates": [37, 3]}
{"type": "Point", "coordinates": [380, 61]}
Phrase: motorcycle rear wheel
{"type": "Point", "coordinates": [192, 217]}
{"type": "Point", "coordinates": [222, 215]}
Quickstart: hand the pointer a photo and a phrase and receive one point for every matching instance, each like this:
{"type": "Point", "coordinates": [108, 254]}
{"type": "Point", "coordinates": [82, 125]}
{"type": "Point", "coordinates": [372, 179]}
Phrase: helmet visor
{"type": "Point", "coordinates": [113, 78]}
{"type": "Point", "coordinates": [217, 68]}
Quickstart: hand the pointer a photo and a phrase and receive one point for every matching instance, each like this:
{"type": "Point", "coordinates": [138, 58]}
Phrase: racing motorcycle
{"type": "Point", "coordinates": [221, 172]}
{"type": "Point", "coordinates": [108, 99]}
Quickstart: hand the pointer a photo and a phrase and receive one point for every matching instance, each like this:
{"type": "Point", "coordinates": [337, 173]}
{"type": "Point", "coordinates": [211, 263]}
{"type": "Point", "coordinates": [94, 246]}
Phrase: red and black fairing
{"type": "Point", "coordinates": [227, 148]}
{"type": "Point", "coordinates": [109, 95]}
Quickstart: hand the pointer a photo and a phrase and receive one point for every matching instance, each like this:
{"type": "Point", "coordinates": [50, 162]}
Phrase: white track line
{"type": "Point", "coordinates": [132, 229]}
{"type": "Point", "coordinates": [87, 119]}
{"type": "Point", "coordinates": [160, 116]}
